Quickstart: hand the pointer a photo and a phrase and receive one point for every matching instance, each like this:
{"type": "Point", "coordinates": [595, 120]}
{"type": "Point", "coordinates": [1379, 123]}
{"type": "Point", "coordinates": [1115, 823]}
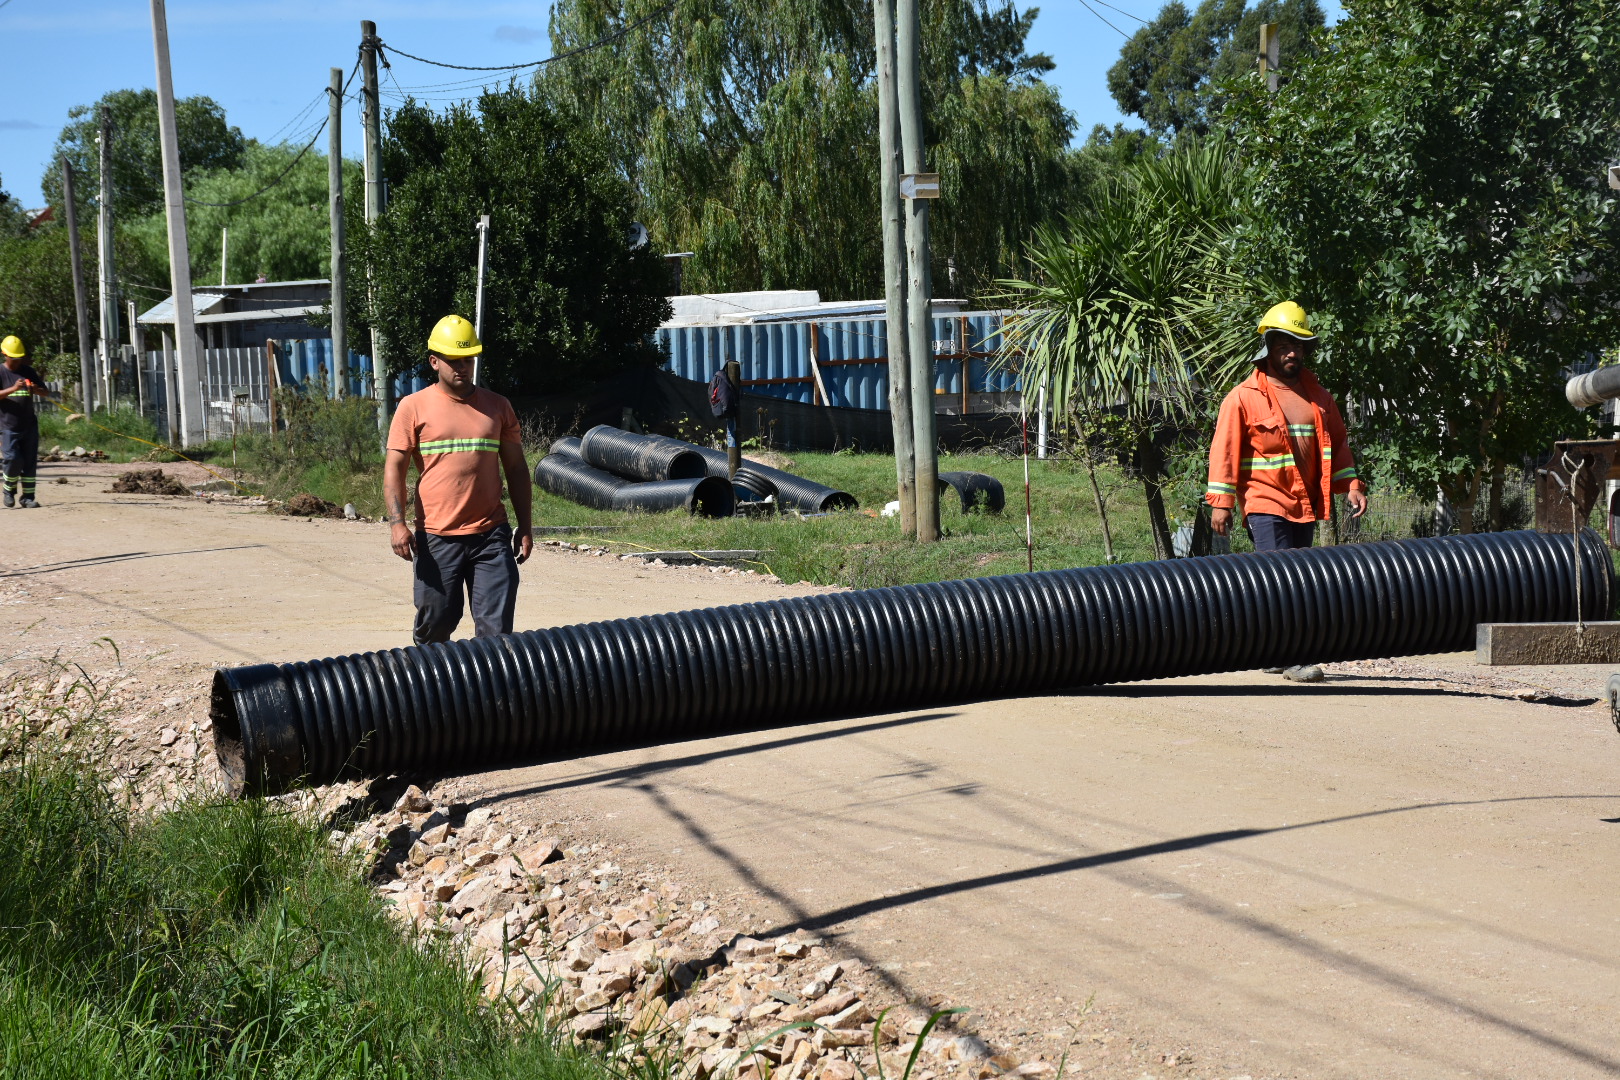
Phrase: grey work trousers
{"type": "Point", "coordinates": [480, 566]}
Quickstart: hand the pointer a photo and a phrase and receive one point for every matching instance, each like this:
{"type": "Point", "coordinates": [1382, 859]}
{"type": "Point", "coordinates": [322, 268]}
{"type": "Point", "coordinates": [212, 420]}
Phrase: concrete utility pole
{"type": "Point", "coordinates": [224, 252]}
{"type": "Point", "coordinates": [1270, 54]}
{"type": "Point", "coordinates": [371, 126]}
{"type": "Point", "coordinates": [917, 187]}
{"type": "Point", "coordinates": [108, 285]}
{"type": "Point", "coordinates": [894, 269]}
{"type": "Point", "coordinates": [87, 364]}
{"type": "Point", "coordinates": [193, 422]}
{"type": "Point", "coordinates": [478, 296]}
{"type": "Point", "coordinates": [334, 188]}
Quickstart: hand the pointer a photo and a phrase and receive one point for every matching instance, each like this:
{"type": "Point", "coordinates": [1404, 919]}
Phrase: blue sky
{"type": "Point", "coordinates": [266, 60]}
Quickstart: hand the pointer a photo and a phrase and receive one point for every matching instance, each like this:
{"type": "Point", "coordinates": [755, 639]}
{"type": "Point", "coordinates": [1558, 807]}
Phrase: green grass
{"type": "Point", "coordinates": [101, 431]}
{"type": "Point", "coordinates": [223, 939]}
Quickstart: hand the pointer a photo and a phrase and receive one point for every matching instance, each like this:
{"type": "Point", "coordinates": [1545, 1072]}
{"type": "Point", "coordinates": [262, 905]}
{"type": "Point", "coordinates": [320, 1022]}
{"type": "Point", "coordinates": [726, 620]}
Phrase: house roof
{"type": "Point", "coordinates": [163, 311]}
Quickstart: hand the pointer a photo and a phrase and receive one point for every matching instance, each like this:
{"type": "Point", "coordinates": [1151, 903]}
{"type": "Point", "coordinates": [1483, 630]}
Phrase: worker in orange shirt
{"type": "Point", "coordinates": [462, 439]}
{"type": "Point", "coordinates": [1281, 449]}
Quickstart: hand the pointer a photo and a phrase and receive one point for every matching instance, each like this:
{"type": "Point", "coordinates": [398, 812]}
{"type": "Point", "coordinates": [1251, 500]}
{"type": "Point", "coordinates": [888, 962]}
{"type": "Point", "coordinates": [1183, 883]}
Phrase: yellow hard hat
{"type": "Point", "coordinates": [1290, 318]}
{"type": "Point", "coordinates": [454, 336]}
{"type": "Point", "coordinates": [13, 347]}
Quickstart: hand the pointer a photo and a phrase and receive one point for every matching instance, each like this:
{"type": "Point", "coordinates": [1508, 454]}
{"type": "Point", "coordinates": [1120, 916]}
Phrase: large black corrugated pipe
{"type": "Point", "coordinates": [571, 478]}
{"type": "Point", "coordinates": [757, 486]}
{"type": "Point", "coordinates": [568, 445]}
{"type": "Point", "coordinates": [1593, 387]}
{"type": "Point", "coordinates": [977, 489]}
{"type": "Point", "coordinates": [792, 492]}
{"type": "Point", "coordinates": [641, 457]}
{"type": "Point", "coordinates": [663, 677]}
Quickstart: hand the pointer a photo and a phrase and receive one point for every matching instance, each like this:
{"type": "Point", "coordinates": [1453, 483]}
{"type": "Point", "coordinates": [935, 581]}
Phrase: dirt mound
{"type": "Point", "coordinates": [148, 482]}
{"type": "Point", "coordinates": [306, 505]}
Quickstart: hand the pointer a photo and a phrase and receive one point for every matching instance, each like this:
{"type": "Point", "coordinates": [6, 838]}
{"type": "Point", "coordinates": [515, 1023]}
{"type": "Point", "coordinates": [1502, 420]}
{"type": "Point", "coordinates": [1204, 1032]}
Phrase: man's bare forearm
{"type": "Point", "coordinates": [394, 488]}
{"type": "Point", "coordinates": [518, 486]}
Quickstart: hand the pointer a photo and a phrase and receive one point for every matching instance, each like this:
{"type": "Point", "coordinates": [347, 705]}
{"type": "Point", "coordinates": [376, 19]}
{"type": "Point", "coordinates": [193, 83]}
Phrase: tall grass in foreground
{"type": "Point", "coordinates": [223, 939]}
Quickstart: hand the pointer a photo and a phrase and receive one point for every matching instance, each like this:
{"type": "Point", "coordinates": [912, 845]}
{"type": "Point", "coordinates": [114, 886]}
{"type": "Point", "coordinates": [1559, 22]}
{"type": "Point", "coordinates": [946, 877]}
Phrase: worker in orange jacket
{"type": "Point", "coordinates": [1280, 446]}
{"type": "Point", "coordinates": [1281, 450]}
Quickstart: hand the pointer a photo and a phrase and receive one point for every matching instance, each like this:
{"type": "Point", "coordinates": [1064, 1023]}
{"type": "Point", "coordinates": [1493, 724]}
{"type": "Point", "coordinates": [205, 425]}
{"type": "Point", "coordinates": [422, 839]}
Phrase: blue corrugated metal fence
{"type": "Point", "coordinates": [850, 356]}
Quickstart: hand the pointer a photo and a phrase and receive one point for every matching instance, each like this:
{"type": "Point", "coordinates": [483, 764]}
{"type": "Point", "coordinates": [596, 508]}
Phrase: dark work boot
{"type": "Point", "coordinates": [29, 502]}
{"type": "Point", "coordinates": [10, 499]}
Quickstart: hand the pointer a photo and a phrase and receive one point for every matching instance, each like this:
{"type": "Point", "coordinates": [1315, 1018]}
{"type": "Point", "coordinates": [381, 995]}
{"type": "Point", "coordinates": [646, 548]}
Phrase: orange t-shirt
{"type": "Point", "coordinates": [456, 446]}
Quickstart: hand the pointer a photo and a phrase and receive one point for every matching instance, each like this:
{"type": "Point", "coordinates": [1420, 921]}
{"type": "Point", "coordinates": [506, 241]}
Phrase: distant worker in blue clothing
{"type": "Point", "coordinates": [20, 385]}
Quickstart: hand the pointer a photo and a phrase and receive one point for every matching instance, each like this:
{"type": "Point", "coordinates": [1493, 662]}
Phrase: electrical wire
{"type": "Point", "coordinates": [290, 165]}
{"type": "Point", "coordinates": [616, 35]}
{"type": "Point", "coordinates": [279, 178]}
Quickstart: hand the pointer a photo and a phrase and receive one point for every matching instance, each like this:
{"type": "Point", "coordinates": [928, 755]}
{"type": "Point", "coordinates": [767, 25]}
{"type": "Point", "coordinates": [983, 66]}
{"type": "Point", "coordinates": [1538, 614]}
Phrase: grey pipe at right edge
{"type": "Point", "coordinates": [1593, 388]}
{"type": "Point", "coordinates": [567, 690]}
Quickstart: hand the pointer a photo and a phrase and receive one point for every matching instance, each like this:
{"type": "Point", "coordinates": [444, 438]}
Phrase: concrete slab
{"type": "Point", "coordinates": [1548, 643]}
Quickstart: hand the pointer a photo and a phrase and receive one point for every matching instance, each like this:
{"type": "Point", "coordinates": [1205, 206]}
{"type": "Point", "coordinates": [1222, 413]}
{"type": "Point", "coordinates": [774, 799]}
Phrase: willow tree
{"type": "Point", "coordinates": [1134, 307]}
{"type": "Point", "coordinates": [748, 129]}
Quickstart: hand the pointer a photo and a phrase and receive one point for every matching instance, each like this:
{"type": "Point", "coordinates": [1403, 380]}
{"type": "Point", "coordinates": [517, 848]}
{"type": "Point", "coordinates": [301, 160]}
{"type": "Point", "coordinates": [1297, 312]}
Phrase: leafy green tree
{"type": "Point", "coordinates": [1433, 183]}
{"type": "Point", "coordinates": [12, 218]}
{"type": "Point", "coordinates": [36, 290]}
{"type": "Point", "coordinates": [1134, 309]}
{"type": "Point", "coordinates": [749, 130]}
{"type": "Point", "coordinates": [207, 142]}
{"type": "Point", "coordinates": [1169, 71]}
{"type": "Point", "coordinates": [565, 296]}
{"type": "Point", "coordinates": [279, 225]}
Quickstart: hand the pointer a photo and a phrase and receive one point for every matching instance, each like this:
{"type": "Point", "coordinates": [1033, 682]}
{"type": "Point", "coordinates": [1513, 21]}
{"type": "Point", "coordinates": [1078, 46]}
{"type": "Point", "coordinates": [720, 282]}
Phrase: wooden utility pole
{"type": "Point", "coordinates": [894, 269]}
{"type": "Point", "coordinates": [1270, 54]}
{"type": "Point", "coordinates": [193, 422]}
{"type": "Point", "coordinates": [916, 187]}
{"type": "Point", "coordinates": [107, 294]}
{"type": "Point", "coordinates": [224, 253]}
{"type": "Point", "coordinates": [87, 364]}
{"type": "Point", "coordinates": [371, 130]}
{"type": "Point", "coordinates": [334, 192]}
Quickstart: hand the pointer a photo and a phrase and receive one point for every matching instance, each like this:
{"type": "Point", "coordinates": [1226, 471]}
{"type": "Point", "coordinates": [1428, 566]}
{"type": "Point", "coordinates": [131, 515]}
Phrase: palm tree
{"type": "Point", "coordinates": [1136, 304]}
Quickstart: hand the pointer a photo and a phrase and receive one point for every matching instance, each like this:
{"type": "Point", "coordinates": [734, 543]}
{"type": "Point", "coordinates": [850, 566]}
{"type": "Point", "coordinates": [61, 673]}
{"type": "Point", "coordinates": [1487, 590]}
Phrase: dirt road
{"type": "Point", "coordinates": [1403, 872]}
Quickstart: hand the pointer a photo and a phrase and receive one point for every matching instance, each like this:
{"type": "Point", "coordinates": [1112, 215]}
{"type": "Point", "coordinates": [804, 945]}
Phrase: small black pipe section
{"type": "Point", "coordinates": [792, 492]}
{"type": "Point", "coordinates": [976, 490]}
{"type": "Point", "coordinates": [641, 457]}
{"type": "Point", "coordinates": [663, 677]}
{"type": "Point", "coordinates": [568, 446]}
{"type": "Point", "coordinates": [571, 478]}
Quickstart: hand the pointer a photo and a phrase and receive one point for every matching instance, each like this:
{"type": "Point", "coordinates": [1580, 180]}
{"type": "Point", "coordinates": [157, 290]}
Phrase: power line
{"type": "Point", "coordinates": [282, 176]}
{"type": "Point", "coordinates": [1123, 12]}
{"type": "Point", "coordinates": [616, 35]}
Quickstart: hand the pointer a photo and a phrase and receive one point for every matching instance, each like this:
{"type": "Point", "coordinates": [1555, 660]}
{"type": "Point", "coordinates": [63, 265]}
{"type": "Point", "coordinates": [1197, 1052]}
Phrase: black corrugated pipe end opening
{"type": "Point", "coordinates": [256, 729]}
{"type": "Point", "coordinates": [838, 500]}
{"type": "Point", "coordinates": [713, 497]}
{"type": "Point", "coordinates": [976, 489]}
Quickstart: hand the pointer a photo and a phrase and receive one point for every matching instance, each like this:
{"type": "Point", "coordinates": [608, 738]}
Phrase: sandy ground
{"type": "Point", "coordinates": [1407, 871]}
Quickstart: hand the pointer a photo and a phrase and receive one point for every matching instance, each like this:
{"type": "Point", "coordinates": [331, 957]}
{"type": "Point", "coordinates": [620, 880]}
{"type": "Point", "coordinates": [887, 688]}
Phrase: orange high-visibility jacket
{"type": "Point", "coordinates": [1252, 458]}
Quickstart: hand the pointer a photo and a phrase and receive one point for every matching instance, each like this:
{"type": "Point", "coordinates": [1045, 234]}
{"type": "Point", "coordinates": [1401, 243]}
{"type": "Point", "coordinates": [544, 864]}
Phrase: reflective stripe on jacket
{"type": "Point", "coordinates": [1252, 458]}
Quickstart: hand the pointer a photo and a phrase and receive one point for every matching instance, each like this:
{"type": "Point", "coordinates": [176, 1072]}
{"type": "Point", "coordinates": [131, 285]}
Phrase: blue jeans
{"type": "Point", "coordinates": [1272, 532]}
